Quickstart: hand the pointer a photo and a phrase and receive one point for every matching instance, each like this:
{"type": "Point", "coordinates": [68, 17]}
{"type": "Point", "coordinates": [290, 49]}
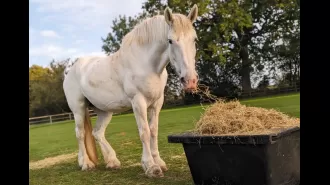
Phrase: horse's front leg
{"type": "Point", "coordinates": [153, 125]}
{"type": "Point", "coordinates": [140, 111]}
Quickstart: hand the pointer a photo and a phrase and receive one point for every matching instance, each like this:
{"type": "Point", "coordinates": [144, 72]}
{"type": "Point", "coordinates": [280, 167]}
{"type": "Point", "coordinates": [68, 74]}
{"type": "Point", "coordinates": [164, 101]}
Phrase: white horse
{"type": "Point", "coordinates": [132, 78]}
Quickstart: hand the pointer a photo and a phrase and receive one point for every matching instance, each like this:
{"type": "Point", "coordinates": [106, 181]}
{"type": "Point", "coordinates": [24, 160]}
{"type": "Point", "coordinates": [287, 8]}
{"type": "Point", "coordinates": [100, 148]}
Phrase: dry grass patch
{"type": "Point", "coordinates": [50, 161]}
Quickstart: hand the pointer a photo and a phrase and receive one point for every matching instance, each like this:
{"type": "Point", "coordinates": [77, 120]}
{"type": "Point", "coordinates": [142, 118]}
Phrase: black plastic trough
{"type": "Point", "coordinates": [272, 159]}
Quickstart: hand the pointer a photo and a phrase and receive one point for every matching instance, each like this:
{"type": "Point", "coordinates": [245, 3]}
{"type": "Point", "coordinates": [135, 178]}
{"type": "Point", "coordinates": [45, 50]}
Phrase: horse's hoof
{"type": "Point", "coordinates": [164, 168]}
{"type": "Point", "coordinates": [161, 163]}
{"type": "Point", "coordinates": [89, 165]}
{"type": "Point", "coordinates": [113, 164]}
{"type": "Point", "coordinates": [154, 171]}
{"type": "Point", "coordinates": [80, 160]}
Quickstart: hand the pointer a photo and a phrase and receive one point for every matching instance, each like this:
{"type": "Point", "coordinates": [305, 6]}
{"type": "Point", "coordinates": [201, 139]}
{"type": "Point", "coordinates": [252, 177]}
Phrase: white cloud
{"type": "Point", "coordinates": [52, 51]}
{"type": "Point", "coordinates": [72, 18]}
{"type": "Point", "coordinates": [79, 41]}
{"type": "Point", "coordinates": [49, 33]}
{"type": "Point", "coordinates": [58, 52]}
{"type": "Point", "coordinates": [87, 14]}
{"type": "Point", "coordinates": [45, 50]}
{"type": "Point", "coordinates": [72, 50]}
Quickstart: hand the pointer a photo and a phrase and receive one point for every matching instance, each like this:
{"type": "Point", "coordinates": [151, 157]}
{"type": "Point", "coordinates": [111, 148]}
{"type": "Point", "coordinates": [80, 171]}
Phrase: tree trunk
{"type": "Point", "coordinates": [290, 74]}
{"type": "Point", "coordinates": [295, 72]}
{"type": "Point", "coordinates": [244, 55]}
{"type": "Point", "coordinates": [245, 72]}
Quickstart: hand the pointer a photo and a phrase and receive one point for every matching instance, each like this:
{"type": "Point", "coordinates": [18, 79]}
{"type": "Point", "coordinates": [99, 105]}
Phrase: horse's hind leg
{"type": "Point", "coordinates": [84, 162]}
{"type": "Point", "coordinates": [77, 104]}
{"type": "Point", "coordinates": [78, 111]}
{"type": "Point", "coordinates": [109, 154]}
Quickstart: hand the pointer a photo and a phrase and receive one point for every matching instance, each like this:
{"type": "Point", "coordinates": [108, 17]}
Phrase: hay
{"type": "Point", "coordinates": [233, 118]}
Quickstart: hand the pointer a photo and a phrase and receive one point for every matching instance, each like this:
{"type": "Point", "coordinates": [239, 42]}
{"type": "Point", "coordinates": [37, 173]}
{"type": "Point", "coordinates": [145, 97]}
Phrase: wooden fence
{"type": "Point", "coordinates": [256, 93]}
{"type": "Point", "coordinates": [55, 118]}
{"type": "Point", "coordinates": [267, 92]}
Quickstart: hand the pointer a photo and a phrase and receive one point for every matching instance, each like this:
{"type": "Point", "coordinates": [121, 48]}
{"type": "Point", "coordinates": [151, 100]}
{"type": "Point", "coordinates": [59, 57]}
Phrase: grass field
{"type": "Point", "coordinates": [122, 134]}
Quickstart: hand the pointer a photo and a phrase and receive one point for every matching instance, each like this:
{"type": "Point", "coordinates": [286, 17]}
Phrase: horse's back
{"type": "Point", "coordinates": [84, 64]}
{"type": "Point", "coordinates": [100, 83]}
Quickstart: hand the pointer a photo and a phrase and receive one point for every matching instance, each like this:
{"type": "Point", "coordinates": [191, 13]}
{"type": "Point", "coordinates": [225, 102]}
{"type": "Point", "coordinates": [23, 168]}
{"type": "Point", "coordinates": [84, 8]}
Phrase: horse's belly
{"type": "Point", "coordinates": [116, 104]}
{"type": "Point", "coordinates": [109, 102]}
{"type": "Point", "coordinates": [108, 97]}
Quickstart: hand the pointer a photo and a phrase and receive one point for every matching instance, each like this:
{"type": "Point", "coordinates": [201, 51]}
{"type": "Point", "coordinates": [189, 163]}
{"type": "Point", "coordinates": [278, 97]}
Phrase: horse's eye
{"type": "Point", "coordinates": [170, 41]}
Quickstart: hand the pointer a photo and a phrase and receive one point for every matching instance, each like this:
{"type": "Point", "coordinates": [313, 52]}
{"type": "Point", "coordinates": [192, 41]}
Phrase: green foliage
{"type": "Point", "coordinates": [46, 95]}
{"type": "Point", "coordinates": [233, 31]}
{"type": "Point", "coordinates": [120, 27]}
{"type": "Point", "coordinates": [153, 7]}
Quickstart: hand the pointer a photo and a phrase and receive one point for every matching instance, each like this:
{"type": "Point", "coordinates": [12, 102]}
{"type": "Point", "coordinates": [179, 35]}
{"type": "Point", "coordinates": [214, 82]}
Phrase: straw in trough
{"type": "Point", "coordinates": [233, 118]}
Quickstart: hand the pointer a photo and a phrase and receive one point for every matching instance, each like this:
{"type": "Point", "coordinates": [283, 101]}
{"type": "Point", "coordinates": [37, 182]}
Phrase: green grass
{"type": "Point", "coordinates": [122, 133]}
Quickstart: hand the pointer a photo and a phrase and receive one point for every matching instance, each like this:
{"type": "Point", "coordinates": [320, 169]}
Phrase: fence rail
{"type": "Point", "coordinates": [267, 92]}
{"type": "Point", "coordinates": [55, 118]}
{"type": "Point", "coordinates": [256, 93]}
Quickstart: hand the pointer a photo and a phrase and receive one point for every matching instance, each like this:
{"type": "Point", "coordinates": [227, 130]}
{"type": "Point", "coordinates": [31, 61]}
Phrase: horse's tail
{"type": "Point", "coordinates": [89, 138]}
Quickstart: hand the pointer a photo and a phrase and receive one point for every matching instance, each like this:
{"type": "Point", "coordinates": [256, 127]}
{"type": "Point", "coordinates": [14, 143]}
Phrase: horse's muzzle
{"type": "Point", "coordinates": [190, 85]}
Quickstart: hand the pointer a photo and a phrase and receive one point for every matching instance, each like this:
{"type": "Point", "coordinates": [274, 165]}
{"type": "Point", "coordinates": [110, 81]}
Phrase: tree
{"type": "Point", "coordinates": [235, 31]}
{"type": "Point", "coordinates": [264, 83]}
{"type": "Point", "coordinates": [36, 75]}
{"type": "Point", "coordinates": [46, 91]}
{"type": "Point", "coordinates": [120, 27]}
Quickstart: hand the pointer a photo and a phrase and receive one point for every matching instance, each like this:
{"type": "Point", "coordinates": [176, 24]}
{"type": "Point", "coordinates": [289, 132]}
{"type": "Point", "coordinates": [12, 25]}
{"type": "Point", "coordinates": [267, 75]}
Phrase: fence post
{"type": "Point", "coordinates": [50, 119]}
{"type": "Point", "coordinates": [70, 116]}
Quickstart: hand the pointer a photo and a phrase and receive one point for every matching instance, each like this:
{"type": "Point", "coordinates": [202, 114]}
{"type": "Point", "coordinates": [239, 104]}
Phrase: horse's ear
{"type": "Point", "coordinates": [193, 13]}
{"type": "Point", "coordinates": [168, 16]}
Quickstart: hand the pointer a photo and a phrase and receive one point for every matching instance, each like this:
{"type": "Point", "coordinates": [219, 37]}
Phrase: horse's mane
{"type": "Point", "coordinates": [156, 29]}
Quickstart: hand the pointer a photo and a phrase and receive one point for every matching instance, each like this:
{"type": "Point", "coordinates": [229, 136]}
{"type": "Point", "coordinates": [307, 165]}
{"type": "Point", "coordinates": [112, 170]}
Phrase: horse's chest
{"type": "Point", "coordinates": [152, 87]}
{"type": "Point", "coordinates": [151, 91]}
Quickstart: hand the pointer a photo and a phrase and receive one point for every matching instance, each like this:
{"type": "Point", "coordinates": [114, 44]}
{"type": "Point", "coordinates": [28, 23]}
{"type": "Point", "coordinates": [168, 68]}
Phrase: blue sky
{"type": "Point", "coordinates": [60, 29]}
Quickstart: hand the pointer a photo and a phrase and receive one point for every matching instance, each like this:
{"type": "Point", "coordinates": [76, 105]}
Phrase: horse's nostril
{"type": "Point", "coordinates": [182, 80]}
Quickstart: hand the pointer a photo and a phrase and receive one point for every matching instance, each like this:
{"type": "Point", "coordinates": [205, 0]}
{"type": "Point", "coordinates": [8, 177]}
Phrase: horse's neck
{"type": "Point", "coordinates": [152, 57]}
{"type": "Point", "coordinates": [158, 57]}
{"type": "Point", "coordinates": [146, 45]}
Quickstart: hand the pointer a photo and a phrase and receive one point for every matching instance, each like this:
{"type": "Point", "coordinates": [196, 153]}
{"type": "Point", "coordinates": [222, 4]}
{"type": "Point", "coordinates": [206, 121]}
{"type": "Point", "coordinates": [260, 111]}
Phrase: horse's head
{"type": "Point", "coordinates": [182, 49]}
